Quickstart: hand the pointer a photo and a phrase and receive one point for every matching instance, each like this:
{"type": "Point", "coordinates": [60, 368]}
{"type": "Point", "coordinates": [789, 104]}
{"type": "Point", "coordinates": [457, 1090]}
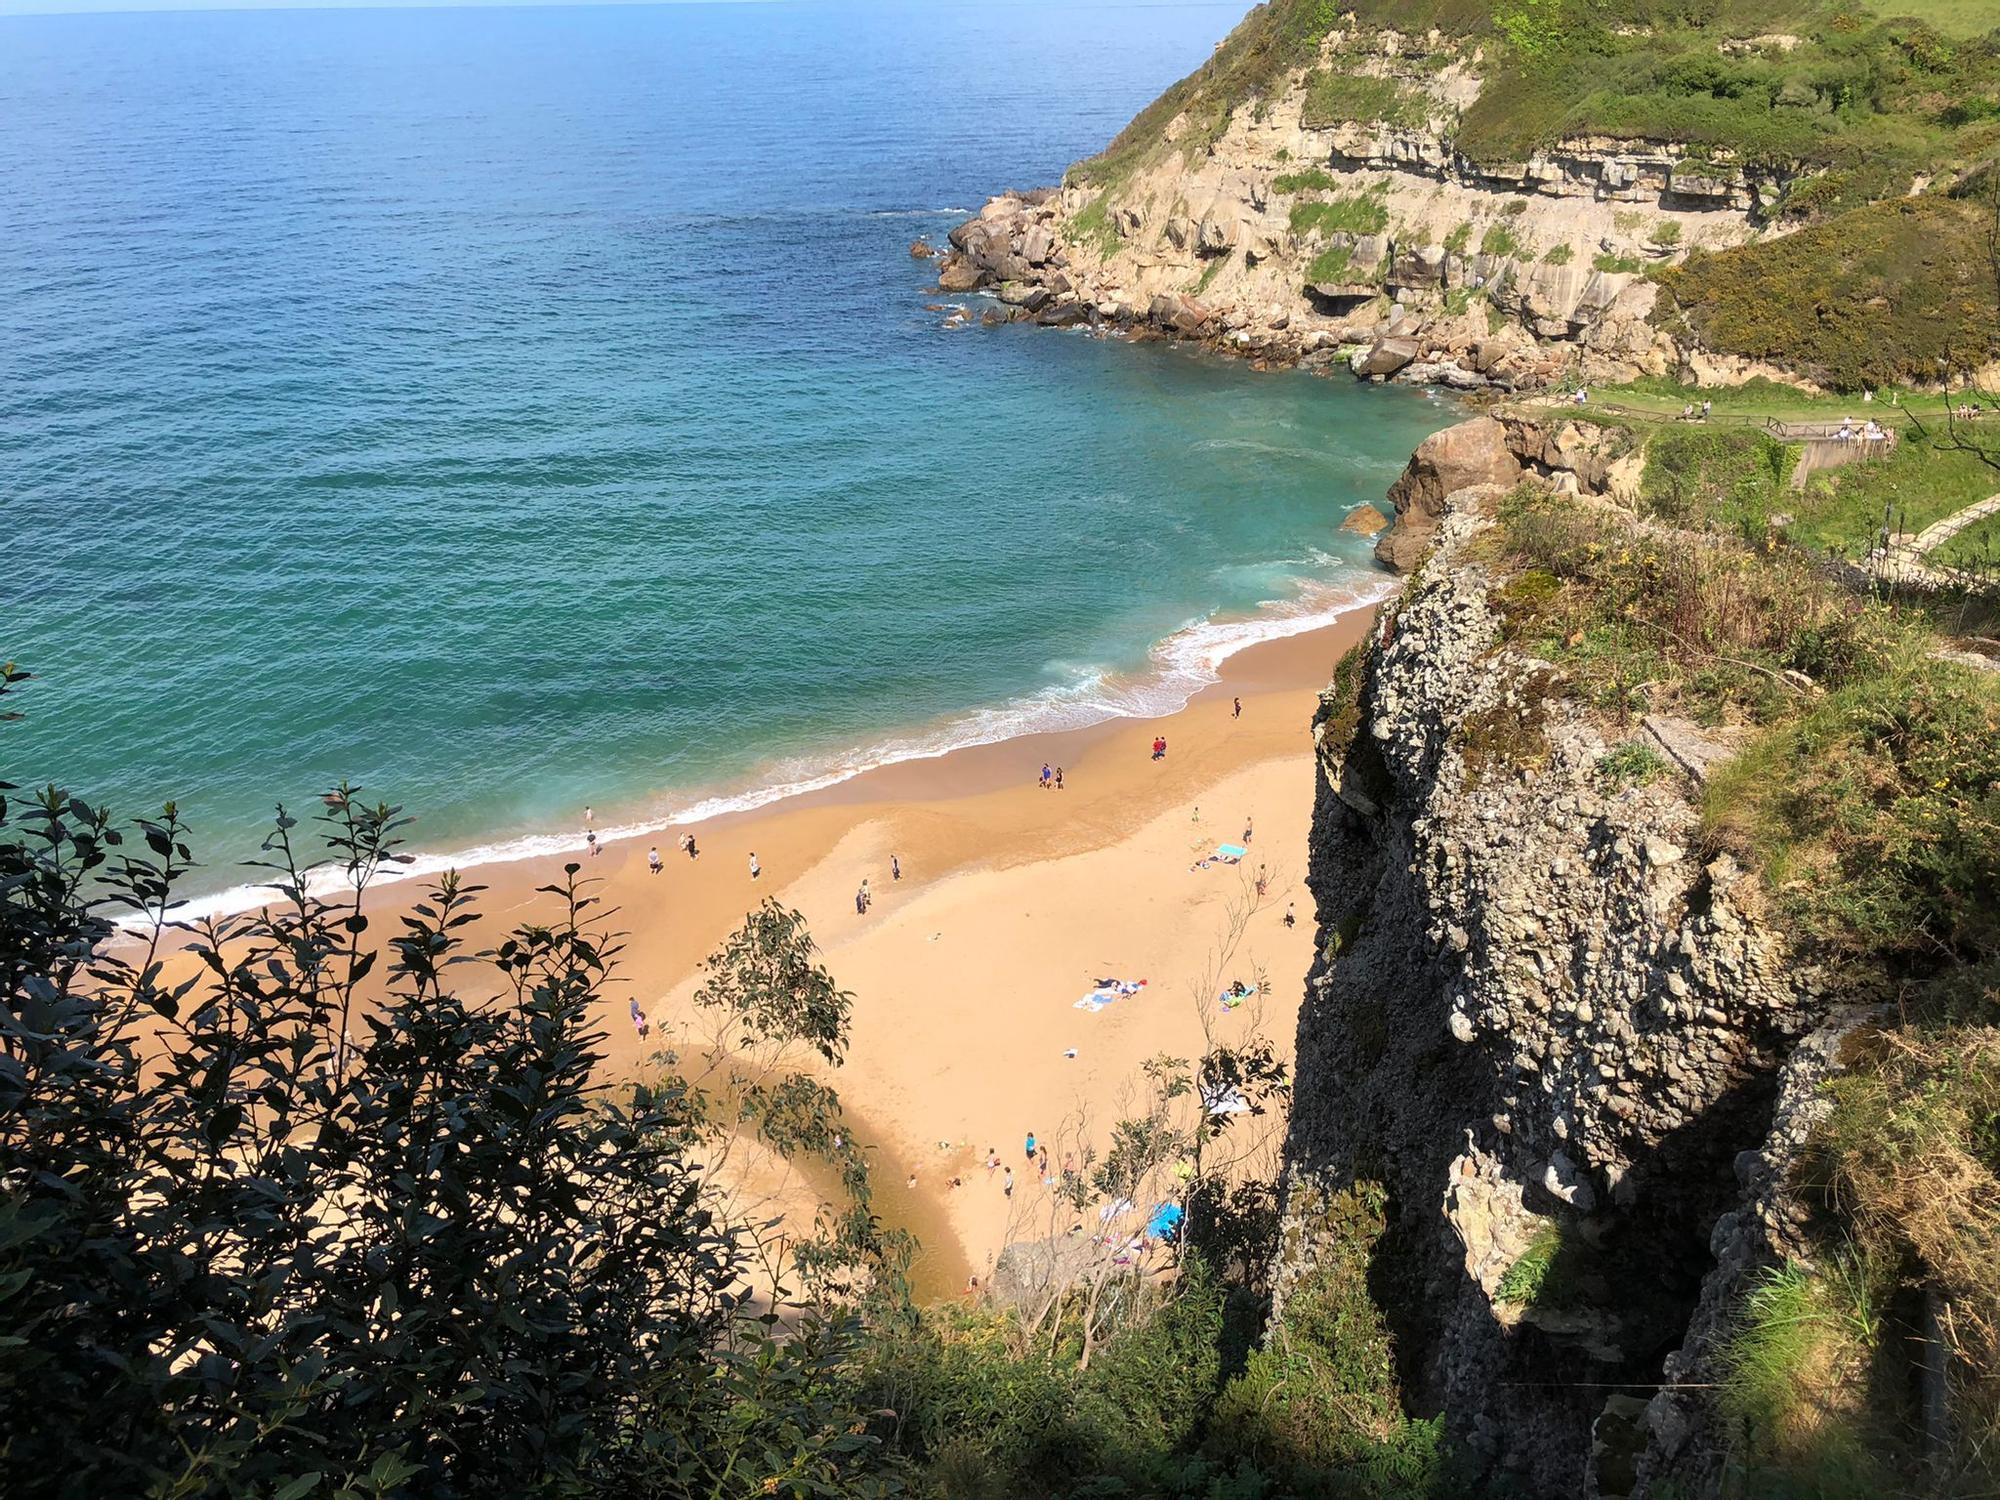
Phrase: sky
{"type": "Point", "coordinates": [84, 7]}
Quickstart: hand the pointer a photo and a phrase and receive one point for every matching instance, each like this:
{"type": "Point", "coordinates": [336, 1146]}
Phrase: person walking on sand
{"type": "Point", "coordinates": [895, 868]}
{"type": "Point", "coordinates": [1058, 778]}
{"type": "Point", "coordinates": [653, 859]}
{"type": "Point", "coordinates": [1263, 882]}
{"type": "Point", "coordinates": [1047, 774]}
{"type": "Point", "coordinates": [1248, 829]}
{"type": "Point", "coordinates": [1007, 1187]}
{"type": "Point", "coordinates": [590, 838]}
{"type": "Point", "coordinates": [639, 1020]}
{"type": "Point", "coordinates": [1031, 1145]}
{"type": "Point", "coordinates": [755, 868]}
{"type": "Point", "coordinates": [860, 904]}
{"type": "Point", "coordinates": [867, 896]}
{"type": "Point", "coordinates": [1291, 914]}
{"type": "Point", "coordinates": [1239, 708]}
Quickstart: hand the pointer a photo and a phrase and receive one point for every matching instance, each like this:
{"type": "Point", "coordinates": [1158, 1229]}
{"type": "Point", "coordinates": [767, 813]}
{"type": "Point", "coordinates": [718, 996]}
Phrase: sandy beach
{"type": "Point", "coordinates": [1013, 901]}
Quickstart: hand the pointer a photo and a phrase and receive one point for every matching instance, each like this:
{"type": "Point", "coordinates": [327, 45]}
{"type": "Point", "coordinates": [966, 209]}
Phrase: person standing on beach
{"type": "Point", "coordinates": [1291, 914]}
{"type": "Point", "coordinates": [895, 868]}
{"type": "Point", "coordinates": [590, 838]}
{"type": "Point", "coordinates": [1007, 1187]}
{"type": "Point", "coordinates": [755, 868]}
{"type": "Point", "coordinates": [653, 859]}
{"type": "Point", "coordinates": [867, 896]}
{"type": "Point", "coordinates": [1046, 775]}
{"type": "Point", "coordinates": [1058, 778]}
{"type": "Point", "coordinates": [1239, 708]}
{"type": "Point", "coordinates": [1263, 883]}
{"type": "Point", "coordinates": [1248, 829]}
{"type": "Point", "coordinates": [1031, 1145]}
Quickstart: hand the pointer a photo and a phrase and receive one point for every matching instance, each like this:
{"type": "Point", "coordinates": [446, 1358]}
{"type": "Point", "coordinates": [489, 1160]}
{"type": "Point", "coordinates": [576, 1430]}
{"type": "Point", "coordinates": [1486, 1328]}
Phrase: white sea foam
{"type": "Point", "coordinates": [1177, 668]}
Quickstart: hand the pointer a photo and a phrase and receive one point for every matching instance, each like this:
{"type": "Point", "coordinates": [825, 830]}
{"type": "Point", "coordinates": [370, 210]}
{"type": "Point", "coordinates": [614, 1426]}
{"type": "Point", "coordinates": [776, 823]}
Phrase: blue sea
{"type": "Point", "coordinates": [517, 409]}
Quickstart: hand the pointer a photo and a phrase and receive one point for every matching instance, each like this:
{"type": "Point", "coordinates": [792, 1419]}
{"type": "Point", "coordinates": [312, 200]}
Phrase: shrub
{"type": "Point", "coordinates": [257, 1236]}
{"type": "Point", "coordinates": [1336, 98]}
{"type": "Point", "coordinates": [1311, 180]}
{"type": "Point", "coordinates": [1499, 240]}
{"type": "Point", "coordinates": [1558, 255]}
{"type": "Point", "coordinates": [1355, 213]}
{"type": "Point", "coordinates": [1459, 238]}
{"type": "Point", "coordinates": [1618, 265]}
{"type": "Point", "coordinates": [1329, 266]}
{"type": "Point", "coordinates": [1091, 226]}
{"type": "Point", "coordinates": [1630, 764]}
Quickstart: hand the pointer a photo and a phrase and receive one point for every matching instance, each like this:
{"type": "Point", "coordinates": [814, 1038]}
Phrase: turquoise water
{"type": "Point", "coordinates": [517, 409]}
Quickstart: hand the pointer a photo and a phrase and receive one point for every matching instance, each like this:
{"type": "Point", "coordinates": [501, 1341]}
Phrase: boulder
{"type": "Point", "coordinates": [1418, 266]}
{"type": "Point", "coordinates": [1127, 221]}
{"type": "Point", "coordinates": [1385, 357]}
{"type": "Point", "coordinates": [1218, 233]}
{"type": "Point", "coordinates": [1474, 452]}
{"type": "Point", "coordinates": [1180, 231]}
{"type": "Point", "coordinates": [1037, 245]}
{"type": "Point", "coordinates": [1177, 314]}
{"type": "Point", "coordinates": [958, 274]}
{"type": "Point", "coordinates": [1364, 520]}
{"type": "Point", "coordinates": [1023, 294]}
{"type": "Point", "coordinates": [922, 249]}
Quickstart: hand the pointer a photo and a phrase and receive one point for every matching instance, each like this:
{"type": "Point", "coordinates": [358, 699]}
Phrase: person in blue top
{"type": "Point", "coordinates": [1031, 1145]}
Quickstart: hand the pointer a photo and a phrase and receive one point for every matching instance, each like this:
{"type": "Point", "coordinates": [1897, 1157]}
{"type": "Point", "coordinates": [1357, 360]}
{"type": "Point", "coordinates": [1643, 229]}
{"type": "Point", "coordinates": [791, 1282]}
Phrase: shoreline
{"type": "Point", "coordinates": [1180, 668]}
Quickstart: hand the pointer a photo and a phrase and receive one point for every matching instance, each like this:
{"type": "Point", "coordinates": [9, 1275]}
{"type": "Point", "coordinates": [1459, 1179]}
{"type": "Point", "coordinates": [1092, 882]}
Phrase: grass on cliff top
{"type": "Point", "coordinates": [1868, 791]}
{"type": "Point", "coordinates": [1884, 295]}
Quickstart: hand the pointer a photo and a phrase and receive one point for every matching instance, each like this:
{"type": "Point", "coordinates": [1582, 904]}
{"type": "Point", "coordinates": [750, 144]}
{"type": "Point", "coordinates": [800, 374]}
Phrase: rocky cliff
{"type": "Point", "coordinates": [1558, 1034]}
{"type": "Point", "coordinates": [1294, 236]}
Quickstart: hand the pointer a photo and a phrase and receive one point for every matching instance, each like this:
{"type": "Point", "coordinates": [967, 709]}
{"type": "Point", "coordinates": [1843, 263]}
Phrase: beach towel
{"type": "Point", "coordinates": [1166, 1219]}
{"type": "Point", "coordinates": [1230, 852]}
{"type": "Point", "coordinates": [1109, 994]}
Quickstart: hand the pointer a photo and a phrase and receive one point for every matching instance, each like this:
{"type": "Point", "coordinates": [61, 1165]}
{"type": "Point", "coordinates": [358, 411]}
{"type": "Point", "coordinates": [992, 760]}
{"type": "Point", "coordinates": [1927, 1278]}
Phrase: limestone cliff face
{"type": "Point", "coordinates": [1300, 237]}
{"type": "Point", "coordinates": [1547, 1025]}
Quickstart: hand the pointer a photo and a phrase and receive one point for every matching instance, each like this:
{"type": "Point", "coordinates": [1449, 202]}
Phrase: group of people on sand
{"type": "Point", "coordinates": [1052, 777]}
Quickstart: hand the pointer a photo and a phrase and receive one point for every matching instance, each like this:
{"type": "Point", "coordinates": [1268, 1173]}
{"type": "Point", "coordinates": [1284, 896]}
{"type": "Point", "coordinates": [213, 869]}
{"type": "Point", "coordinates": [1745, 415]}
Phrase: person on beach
{"type": "Point", "coordinates": [1031, 1145]}
{"type": "Point", "coordinates": [1248, 828]}
{"type": "Point", "coordinates": [755, 868]}
{"type": "Point", "coordinates": [912, 1183]}
{"type": "Point", "coordinates": [1263, 882]}
{"type": "Point", "coordinates": [895, 868]}
{"type": "Point", "coordinates": [1159, 747]}
{"type": "Point", "coordinates": [653, 859]}
{"type": "Point", "coordinates": [1058, 778]}
{"type": "Point", "coordinates": [867, 896]}
{"type": "Point", "coordinates": [992, 1159]}
{"type": "Point", "coordinates": [590, 838]}
{"type": "Point", "coordinates": [1047, 775]}
{"type": "Point", "coordinates": [639, 1020]}
{"type": "Point", "coordinates": [860, 904]}
{"type": "Point", "coordinates": [1007, 1187]}
{"type": "Point", "coordinates": [1291, 914]}
{"type": "Point", "coordinates": [589, 814]}
{"type": "Point", "coordinates": [693, 851]}
{"type": "Point", "coordinates": [1239, 708]}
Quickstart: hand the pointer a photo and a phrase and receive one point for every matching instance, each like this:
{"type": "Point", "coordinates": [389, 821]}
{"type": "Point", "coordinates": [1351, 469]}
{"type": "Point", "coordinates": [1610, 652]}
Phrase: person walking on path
{"type": "Point", "coordinates": [653, 859]}
{"type": "Point", "coordinates": [895, 868]}
{"type": "Point", "coordinates": [755, 868]}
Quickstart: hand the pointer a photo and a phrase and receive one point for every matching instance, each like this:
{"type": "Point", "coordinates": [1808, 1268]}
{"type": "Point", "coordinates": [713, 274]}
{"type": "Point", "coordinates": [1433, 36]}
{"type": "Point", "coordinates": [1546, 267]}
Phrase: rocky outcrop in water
{"type": "Point", "coordinates": [1372, 243]}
